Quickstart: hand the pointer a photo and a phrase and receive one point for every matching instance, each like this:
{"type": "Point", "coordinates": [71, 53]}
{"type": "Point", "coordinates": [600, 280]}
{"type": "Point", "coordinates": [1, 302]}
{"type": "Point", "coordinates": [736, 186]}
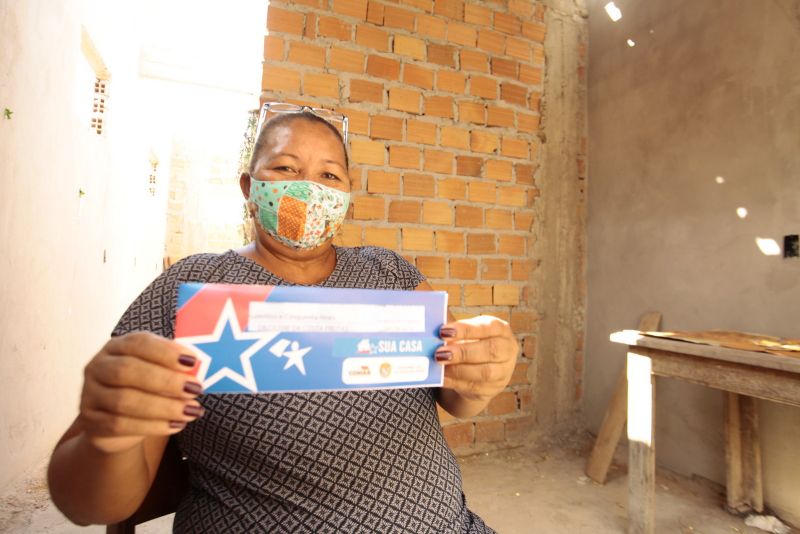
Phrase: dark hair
{"type": "Point", "coordinates": [284, 118]}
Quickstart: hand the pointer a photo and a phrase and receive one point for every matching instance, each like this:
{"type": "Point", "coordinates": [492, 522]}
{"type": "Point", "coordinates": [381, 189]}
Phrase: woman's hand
{"type": "Point", "coordinates": [479, 355]}
{"type": "Point", "coordinates": [137, 386]}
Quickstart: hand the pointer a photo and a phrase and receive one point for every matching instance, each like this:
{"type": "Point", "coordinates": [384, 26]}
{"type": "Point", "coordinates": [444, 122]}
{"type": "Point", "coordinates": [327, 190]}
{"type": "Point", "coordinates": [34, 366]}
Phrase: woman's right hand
{"type": "Point", "coordinates": [137, 386]}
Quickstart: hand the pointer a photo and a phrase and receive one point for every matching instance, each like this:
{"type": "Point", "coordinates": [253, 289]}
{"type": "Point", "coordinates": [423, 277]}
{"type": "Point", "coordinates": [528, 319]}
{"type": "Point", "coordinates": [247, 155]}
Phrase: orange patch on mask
{"type": "Point", "coordinates": [292, 217]}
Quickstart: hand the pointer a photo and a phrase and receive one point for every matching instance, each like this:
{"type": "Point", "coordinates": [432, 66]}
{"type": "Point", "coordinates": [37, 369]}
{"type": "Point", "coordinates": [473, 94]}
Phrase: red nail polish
{"type": "Point", "coordinates": [192, 388]}
{"type": "Point", "coordinates": [193, 411]}
{"type": "Point", "coordinates": [187, 360]}
{"type": "Point", "coordinates": [443, 356]}
{"type": "Point", "coordinates": [447, 332]}
{"type": "Point", "coordinates": [177, 424]}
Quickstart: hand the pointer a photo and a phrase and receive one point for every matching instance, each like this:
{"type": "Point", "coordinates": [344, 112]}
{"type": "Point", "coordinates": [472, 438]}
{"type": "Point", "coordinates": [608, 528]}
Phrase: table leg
{"type": "Point", "coordinates": [641, 446]}
{"type": "Point", "coordinates": [742, 455]}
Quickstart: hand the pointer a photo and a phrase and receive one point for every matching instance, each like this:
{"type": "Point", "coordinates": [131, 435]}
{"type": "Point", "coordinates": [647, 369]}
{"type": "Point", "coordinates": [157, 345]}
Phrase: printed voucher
{"type": "Point", "coordinates": [250, 338]}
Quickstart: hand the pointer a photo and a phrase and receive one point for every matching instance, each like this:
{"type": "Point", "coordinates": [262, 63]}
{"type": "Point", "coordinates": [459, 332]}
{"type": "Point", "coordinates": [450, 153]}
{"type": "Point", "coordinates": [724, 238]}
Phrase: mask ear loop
{"type": "Point", "coordinates": [252, 207]}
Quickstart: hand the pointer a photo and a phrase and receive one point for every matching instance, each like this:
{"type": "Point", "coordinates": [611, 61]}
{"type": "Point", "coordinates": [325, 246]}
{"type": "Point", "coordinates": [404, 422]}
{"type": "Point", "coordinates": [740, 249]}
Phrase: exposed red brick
{"type": "Point", "coordinates": [442, 54]}
{"type": "Point", "coordinates": [520, 376]}
{"type": "Point", "coordinates": [504, 403]}
{"type": "Point", "coordinates": [489, 431]}
{"type": "Point", "coordinates": [459, 435]}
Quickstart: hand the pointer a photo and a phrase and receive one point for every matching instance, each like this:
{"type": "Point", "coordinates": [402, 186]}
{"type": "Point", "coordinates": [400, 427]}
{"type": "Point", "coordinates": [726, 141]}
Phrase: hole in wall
{"type": "Point", "coordinates": [99, 105]}
{"type": "Point", "coordinates": [791, 246]}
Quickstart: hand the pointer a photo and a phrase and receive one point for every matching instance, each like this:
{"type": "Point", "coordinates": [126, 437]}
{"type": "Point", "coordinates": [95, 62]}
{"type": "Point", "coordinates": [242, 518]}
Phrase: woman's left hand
{"type": "Point", "coordinates": [479, 355]}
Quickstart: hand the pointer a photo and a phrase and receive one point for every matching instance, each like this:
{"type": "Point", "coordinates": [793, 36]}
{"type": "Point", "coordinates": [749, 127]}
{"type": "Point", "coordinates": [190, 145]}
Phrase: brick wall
{"type": "Point", "coordinates": [443, 99]}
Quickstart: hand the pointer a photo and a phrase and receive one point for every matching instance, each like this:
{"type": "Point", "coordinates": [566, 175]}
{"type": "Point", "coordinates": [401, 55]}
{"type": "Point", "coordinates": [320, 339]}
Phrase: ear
{"type": "Point", "coordinates": [244, 184]}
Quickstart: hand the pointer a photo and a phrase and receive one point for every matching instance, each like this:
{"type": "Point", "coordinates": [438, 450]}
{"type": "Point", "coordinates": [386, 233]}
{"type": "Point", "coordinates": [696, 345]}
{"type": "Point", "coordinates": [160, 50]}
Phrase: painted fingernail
{"type": "Point", "coordinates": [447, 332]}
{"type": "Point", "coordinates": [192, 388]}
{"type": "Point", "coordinates": [187, 360]}
{"type": "Point", "coordinates": [177, 424]}
{"type": "Point", "coordinates": [193, 411]}
{"type": "Point", "coordinates": [444, 356]}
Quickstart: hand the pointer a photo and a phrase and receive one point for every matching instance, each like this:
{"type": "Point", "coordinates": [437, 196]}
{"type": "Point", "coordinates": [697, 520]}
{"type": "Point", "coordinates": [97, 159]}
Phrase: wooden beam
{"type": "Point", "coordinates": [742, 455]}
{"type": "Point", "coordinates": [610, 432]}
{"type": "Point", "coordinates": [641, 446]}
{"type": "Point", "coordinates": [93, 56]}
{"type": "Point", "coordinates": [616, 414]}
{"type": "Point", "coordinates": [757, 359]}
{"type": "Point", "coordinates": [768, 384]}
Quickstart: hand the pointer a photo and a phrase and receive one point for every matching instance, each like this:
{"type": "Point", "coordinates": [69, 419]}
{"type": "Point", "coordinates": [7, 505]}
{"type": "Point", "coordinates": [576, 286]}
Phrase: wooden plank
{"type": "Point", "coordinates": [616, 414]}
{"type": "Point", "coordinates": [768, 384]}
{"type": "Point", "coordinates": [93, 56]}
{"type": "Point", "coordinates": [610, 432]}
{"type": "Point", "coordinates": [650, 321]}
{"type": "Point", "coordinates": [733, 453]}
{"type": "Point", "coordinates": [742, 455]}
{"type": "Point", "coordinates": [751, 449]}
{"type": "Point", "coordinates": [641, 446]}
{"type": "Point", "coordinates": [746, 357]}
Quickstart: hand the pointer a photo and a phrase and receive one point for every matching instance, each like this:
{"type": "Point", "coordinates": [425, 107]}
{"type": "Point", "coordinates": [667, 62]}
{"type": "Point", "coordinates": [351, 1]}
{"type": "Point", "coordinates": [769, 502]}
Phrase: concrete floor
{"type": "Point", "coordinates": [545, 491]}
{"type": "Point", "coordinates": [521, 491]}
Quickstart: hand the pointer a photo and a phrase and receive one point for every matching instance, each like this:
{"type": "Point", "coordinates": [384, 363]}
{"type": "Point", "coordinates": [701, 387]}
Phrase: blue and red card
{"type": "Point", "coordinates": [250, 338]}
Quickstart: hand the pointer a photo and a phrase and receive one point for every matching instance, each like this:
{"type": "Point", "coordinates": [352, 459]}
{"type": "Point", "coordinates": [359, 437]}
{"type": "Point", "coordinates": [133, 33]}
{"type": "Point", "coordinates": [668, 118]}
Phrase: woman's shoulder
{"type": "Point", "coordinates": [201, 267]}
{"type": "Point", "coordinates": [379, 267]}
{"type": "Point", "coordinates": [376, 256]}
{"type": "Point", "coordinates": [153, 309]}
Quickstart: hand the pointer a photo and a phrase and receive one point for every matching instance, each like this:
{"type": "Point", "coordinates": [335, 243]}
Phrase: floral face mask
{"type": "Point", "coordinates": [299, 213]}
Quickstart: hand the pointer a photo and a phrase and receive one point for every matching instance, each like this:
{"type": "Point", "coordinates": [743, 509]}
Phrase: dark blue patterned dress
{"type": "Point", "coordinates": [342, 462]}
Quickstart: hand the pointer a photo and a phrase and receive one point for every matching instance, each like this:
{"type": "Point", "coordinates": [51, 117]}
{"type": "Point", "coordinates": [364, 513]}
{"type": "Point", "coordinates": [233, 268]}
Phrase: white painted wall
{"type": "Point", "coordinates": [60, 299]}
{"type": "Point", "coordinates": [710, 89]}
{"type": "Point", "coordinates": [71, 264]}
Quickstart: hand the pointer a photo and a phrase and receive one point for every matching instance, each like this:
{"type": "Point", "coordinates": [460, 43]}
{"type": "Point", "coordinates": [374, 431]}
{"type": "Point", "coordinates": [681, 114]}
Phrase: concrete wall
{"type": "Point", "coordinates": [560, 248]}
{"type": "Point", "coordinates": [710, 89]}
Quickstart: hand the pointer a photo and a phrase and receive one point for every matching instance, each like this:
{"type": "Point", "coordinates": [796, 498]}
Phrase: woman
{"type": "Point", "coordinates": [358, 461]}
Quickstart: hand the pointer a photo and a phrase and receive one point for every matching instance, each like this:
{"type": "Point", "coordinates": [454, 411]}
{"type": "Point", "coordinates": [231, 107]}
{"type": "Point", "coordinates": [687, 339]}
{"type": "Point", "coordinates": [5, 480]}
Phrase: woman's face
{"type": "Point", "coordinates": [301, 149]}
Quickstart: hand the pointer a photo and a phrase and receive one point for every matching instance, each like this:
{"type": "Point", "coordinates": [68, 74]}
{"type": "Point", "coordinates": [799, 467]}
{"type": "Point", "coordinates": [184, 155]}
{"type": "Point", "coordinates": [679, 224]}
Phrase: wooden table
{"type": "Point", "coordinates": [744, 376]}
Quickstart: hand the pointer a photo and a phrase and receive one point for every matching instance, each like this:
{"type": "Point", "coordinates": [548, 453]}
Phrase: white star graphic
{"type": "Point", "coordinates": [248, 379]}
{"type": "Point", "coordinates": [294, 357]}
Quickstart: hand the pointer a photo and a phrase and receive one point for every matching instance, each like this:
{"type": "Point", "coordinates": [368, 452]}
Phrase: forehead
{"type": "Point", "coordinates": [298, 133]}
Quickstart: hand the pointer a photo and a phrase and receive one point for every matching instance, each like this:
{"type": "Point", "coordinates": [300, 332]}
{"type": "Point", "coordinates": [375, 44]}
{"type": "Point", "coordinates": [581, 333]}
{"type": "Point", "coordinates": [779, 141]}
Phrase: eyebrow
{"type": "Point", "coordinates": [285, 154]}
{"type": "Point", "coordinates": [335, 163]}
{"type": "Point", "coordinates": [293, 156]}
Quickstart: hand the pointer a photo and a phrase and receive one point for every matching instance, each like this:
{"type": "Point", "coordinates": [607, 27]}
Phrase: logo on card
{"type": "Point", "coordinates": [290, 350]}
{"type": "Point", "coordinates": [389, 346]}
{"type": "Point", "coordinates": [375, 370]}
{"type": "Point", "coordinates": [362, 370]}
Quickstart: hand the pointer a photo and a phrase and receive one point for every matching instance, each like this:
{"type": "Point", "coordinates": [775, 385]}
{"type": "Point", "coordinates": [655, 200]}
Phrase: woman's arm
{"type": "Point", "coordinates": [91, 486]}
{"type": "Point", "coordinates": [136, 393]}
{"type": "Point", "coordinates": [480, 354]}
